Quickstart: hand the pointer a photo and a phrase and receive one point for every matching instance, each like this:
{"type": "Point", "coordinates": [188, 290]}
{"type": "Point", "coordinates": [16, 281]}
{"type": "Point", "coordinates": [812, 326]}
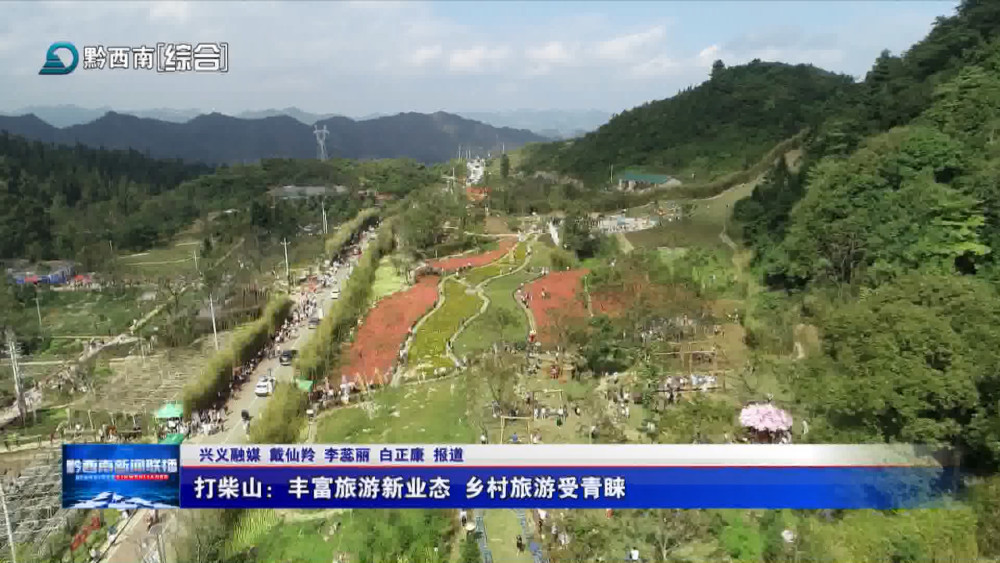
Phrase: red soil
{"type": "Point", "coordinates": [376, 344]}
{"type": "Point", "coordinates": [475, 260]}
{"type": "Point", "coordinates": [562, 304]}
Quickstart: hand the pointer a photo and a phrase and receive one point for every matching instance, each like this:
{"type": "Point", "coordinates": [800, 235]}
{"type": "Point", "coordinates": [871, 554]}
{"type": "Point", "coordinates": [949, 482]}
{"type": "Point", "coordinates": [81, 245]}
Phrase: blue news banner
{"type": "Point", "coordinates": [501, 476]}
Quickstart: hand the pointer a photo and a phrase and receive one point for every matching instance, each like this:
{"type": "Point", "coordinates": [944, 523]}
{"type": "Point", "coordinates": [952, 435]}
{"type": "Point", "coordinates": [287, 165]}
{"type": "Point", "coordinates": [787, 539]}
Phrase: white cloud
{"type": "Point", "coordinates": [628, 46]}
{"type": "Point", "coordinates": [477, 59]}
{"type": "Point", "coordinates": [709, 54]}
{"type": "Point", "coordinates": [424, 55]}
{"type": "Point", "coordinates": [656, 67]}
{"type": "Point", "coordinates": [170, 11]}
{"type": "Point", "coordinates": [552, 52]}
{"type": "Point", "coordinates": [415, 56]}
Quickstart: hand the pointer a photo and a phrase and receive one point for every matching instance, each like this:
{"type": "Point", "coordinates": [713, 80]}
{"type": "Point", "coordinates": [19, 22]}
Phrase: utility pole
{"type": "Point", "coordinates": [38, 309]}
{"type": "Point", "coordinates": [288, 274]}
{"type": "Point", "coordinates": [22, 409]}
{"type": "Point", "coordinates": [215, 332]}
{"type": "Point", "coordinates": [612, 174]}
{"type": "Point", "coordinates": [195, 254]}
{"type": "Point", "coordinates": [324, 216]}
{"type": "Point", "coordinates": [10, 532]}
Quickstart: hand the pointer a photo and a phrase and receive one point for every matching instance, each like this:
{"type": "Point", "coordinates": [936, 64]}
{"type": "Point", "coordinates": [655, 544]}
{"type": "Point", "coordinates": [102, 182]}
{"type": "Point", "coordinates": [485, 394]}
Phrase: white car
{"type": "Point", "coordinates": [335, 294]}
{"type": "Point", "coordinates": [264, 387]}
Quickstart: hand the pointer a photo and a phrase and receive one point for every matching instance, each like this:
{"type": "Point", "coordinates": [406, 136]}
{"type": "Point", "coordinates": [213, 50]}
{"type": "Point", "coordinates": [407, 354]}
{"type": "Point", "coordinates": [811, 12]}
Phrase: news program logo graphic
{"type": "Point", "coordinates": [53, 64]}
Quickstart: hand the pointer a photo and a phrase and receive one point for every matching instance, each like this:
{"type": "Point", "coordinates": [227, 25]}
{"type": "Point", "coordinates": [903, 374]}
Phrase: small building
{"type": "Point", "coordinates": [305, 192]}
{"type": "Point", "coordinates": [55, 272]}
{"type": "Point", "coordinates": [630, 180]}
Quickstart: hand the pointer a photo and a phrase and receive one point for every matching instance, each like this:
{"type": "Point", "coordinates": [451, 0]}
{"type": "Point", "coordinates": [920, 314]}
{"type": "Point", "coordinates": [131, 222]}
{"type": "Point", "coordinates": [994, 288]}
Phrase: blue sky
{"type": "Point", "coordinates": [383, 57]}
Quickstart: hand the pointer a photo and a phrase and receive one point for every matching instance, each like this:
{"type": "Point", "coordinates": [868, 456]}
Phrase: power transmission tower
{"type": "Point", "coordinates": [22, 409]}
{"type": "Point", "coordinates": [321, 135]}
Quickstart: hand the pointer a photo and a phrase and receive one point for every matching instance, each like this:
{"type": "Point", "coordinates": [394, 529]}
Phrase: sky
{"type": "Point", "coordinates": [359, 58]}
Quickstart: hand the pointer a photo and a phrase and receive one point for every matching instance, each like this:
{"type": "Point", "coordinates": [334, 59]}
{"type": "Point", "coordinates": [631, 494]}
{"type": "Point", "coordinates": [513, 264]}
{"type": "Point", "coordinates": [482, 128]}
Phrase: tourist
{"type": "Point", "coordinates": [520, 544]}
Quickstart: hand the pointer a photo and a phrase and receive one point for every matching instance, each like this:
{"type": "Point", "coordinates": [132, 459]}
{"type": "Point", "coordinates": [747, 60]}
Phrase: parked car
{"type": "Point", "coordinates": [335, 294]}
{"type": "Point", "coordinates": [264, 387]}
{"type": "Point", "coordinates": [286, 357]}
{"type": "Point", "coordinates": [313, 322]}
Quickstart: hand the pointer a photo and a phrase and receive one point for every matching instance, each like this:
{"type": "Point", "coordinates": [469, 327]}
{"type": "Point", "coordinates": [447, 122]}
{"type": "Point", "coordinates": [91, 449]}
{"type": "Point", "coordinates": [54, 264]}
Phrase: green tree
{"type": "Point", "coordinates": [576, 234]}
{"type": "Point", "coordinates": [504, 166]}
{"type": "Point", "coordinates": [470, 550]}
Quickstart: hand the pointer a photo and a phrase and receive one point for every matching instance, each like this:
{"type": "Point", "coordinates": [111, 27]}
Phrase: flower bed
{"type": "Point", "coordinates": [562, 301]}
{"type": "Point", "coordinates": [431, 340]}
{"type": "Point", "coordinates": [385, 328]}
{"type": "Point", "coordinates": [474, 260]}
{"type": "Point", "coordinates": [500, 266]}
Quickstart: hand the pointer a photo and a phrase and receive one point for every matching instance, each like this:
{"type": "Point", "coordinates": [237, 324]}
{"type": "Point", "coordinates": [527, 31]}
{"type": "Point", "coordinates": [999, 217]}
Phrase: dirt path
{"type": "Point", "coordinates": [481, 293]}
{"type": "Point", "coordinates": [624, 243]}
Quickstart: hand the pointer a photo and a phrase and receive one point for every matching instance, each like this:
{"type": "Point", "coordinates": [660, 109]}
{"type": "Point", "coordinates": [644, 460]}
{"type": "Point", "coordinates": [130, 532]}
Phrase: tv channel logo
{"type": "Point", "coordinates": [54, 65]}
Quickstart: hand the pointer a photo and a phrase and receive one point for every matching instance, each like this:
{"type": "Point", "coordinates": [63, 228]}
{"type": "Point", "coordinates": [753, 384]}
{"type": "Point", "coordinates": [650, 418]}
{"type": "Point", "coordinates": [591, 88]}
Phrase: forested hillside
{"type": "Point", "coordinates": [722, 125]}
{"type": "Point", "coordinates": [888, 240]}
{"type": "Point", "coordinates": [63, 202]}
{"type": "Point", "coordinates": [56, 200]}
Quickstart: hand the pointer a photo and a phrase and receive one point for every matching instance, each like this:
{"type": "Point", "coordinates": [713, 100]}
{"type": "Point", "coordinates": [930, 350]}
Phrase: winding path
{"type": "Point", "coordinates": [486, 300]}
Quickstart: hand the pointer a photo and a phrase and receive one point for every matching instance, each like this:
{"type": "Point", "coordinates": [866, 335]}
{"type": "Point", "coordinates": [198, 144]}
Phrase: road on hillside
{"type": "Point", "coordinates": [127, 548]}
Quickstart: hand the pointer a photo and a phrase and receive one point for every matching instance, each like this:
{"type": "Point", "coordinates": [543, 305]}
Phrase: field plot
{"type": "Point", "coordinates": [91, 313]}
{"type": "Point", "coordinates": [504, 321]}
{"type": "Point", "coordinates": [177, 259]}
{"type": "Point", "coordinates": [474, 260]}
{"type": "Point", "coordinates": [387, 279]}
{"type": "Point", "coordinates": [429, 349]}
{"type": "Point", "coordinates": [504, 264]}
{"type": "Point", "coordinates": [138, 383]}
{"type": "Point", "coordinates": [701, 227]}
{"type": "Point", "coordinates": [385, 328]}
{"type": "Point", "coordinates": [432, 412]}
{"type": "Point", "coordinates": [555, 300]}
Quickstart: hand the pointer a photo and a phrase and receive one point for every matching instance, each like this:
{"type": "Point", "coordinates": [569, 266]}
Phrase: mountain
{"type": "Point", "coordinates": [722, 125]}
{"type": "Point", "coordinates": [68, 114]}
{"type": "Point", "coordinates": [555, 124]}
{"type": "Point", "coordinates": [217, 138]}
{"type": "Point", "coordinates": [295, 113]}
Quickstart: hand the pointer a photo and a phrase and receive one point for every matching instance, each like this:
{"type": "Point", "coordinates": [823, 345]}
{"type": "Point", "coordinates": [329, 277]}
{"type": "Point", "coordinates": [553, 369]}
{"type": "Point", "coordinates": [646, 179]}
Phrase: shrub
{"type": "Point", "coordinates": [346, 232]}
{"type": "Point", "coordinates": [247, 342]}
{"type": "Point", "coordinates": [281, 419]}
{"type": "Point", "coordinates": [319, 355]}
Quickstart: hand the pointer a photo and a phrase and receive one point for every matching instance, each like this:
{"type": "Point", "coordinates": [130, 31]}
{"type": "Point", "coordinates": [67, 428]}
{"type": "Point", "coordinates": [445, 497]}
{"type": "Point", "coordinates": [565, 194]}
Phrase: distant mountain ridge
{"type": "Point", "coordinates": [554, 124]}
{"type": "Point", "coordinates": [216, 138]}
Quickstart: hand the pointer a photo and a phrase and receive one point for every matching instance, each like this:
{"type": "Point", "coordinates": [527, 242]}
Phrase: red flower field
{"type": "Point", "coordinates": [561, 302]}
{"type": "Point", "coordinates": [377, 342]}
{"type": "Point", "coordinates": [475, 260]}
{"type": "Point", "coordinates": [612, 304]}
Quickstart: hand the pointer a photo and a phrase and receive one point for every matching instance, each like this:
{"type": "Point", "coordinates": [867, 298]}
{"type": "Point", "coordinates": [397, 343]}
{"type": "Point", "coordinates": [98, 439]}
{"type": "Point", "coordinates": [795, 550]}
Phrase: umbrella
{"type": "Point", "coordinates": [765, 417]}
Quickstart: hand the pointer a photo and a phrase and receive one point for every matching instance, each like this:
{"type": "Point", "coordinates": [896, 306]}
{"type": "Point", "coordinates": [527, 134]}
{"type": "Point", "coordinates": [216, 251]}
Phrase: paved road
{"type": "Point", "coordinates": [126, 547]}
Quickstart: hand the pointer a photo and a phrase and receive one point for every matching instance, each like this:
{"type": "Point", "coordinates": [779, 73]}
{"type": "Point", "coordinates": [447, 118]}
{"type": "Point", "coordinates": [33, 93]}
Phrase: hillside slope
{"type": "Point", "coordinates": [217, 138]}
{"type": "Point", "coordinates": [722, 125]}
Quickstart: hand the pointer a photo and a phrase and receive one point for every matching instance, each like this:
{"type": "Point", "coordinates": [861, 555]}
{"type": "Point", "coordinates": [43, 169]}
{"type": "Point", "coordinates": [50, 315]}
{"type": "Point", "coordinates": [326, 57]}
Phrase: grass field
{"type": "Point", "coordinates": [484, 331]}
{"type": "Point", "coordinates": [387, 279]}
{"type": "Point", "coordinates": [90, 313]}
{"type": "Point", "coordinates": [430, 342]}
{"type": "Point", "coordinates": [700, 228]}
{"type": "Point", "coordinates": [168, 260]}
{"type": "Point", "coordinates": [411, 414]}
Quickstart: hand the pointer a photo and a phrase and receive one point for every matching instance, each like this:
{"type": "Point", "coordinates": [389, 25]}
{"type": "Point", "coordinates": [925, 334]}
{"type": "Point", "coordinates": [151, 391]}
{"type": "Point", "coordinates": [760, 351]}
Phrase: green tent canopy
{"type": "Point", "coordinates": [304, 385]}
{"type": "Point", "coordinates": [170, 410]}
{"type": "Point", "coordinates": [173, 439]}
